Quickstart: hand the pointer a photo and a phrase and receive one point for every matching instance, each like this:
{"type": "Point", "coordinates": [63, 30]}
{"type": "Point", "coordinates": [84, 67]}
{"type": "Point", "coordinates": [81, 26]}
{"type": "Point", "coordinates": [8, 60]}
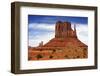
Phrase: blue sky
{"type": "Point", "coordinates": [42, 27]}
{"type": "Point", "coordinates": [54, 19]}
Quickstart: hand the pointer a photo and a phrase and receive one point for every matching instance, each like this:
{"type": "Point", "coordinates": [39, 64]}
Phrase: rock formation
{"type": "Point", "coordinates": [64, 30]}
{"type": "Point", "coordinates": [65, 45]}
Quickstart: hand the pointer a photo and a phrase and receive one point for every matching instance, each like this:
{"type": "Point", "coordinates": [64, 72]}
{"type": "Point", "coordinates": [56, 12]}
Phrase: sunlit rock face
{"type": "Point", "coordinates": [65, 45]}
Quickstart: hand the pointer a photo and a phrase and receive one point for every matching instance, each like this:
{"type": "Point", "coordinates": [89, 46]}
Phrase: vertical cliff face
{"type": "Point", "coordinates": [64, 35]}
{"type": "Point", "coordinates": [64, 30]}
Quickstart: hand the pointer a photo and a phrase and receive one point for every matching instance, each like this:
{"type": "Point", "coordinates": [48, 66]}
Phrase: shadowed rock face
{"type": "Point", "coordinates": [64, 30]}
{"type": "Point", "coordinates": [65, 45]}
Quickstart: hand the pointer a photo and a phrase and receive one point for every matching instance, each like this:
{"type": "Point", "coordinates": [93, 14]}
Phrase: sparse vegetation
{"type": "Point", "coordinates": [39, 56]}
{"type": "Point", "coordinates": [50, 56]}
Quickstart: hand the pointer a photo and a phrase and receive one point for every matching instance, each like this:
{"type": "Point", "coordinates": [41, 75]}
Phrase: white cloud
{"type": "Point", "coordinates": [42, 26]}
{"type": "Point", "coordinates": [45, 36]}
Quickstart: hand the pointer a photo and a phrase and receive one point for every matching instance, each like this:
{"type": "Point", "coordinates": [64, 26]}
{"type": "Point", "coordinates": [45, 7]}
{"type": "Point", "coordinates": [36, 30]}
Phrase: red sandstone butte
{"type": "Point", "coordinates": [65, 45]}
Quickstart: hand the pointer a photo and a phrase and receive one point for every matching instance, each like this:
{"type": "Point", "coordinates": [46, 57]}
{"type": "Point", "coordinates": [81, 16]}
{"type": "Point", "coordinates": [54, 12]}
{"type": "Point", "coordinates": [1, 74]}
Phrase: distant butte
{"type": "Point", "coordinates": [65, 45]}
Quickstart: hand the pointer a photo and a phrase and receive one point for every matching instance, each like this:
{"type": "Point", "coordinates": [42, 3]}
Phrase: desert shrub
{"type": "Point", "coordinates": [39, 56]}
{"type": "Point", "coordinates": [50, 56]}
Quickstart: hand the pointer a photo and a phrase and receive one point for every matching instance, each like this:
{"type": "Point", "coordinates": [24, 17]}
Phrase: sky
{"type": "Point", "coordinates": [54, 19]}
{"type": "Point", "coordinates": [42, 28]}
